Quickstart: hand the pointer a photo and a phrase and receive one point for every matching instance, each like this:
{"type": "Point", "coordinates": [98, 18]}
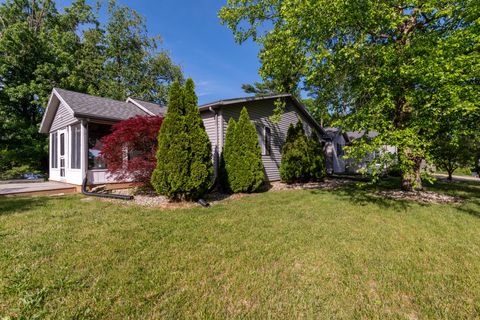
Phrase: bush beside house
{"type": "Point", "coordinates": [129, 151]}
{"type": "Point", "coordinates": [317, 158]}
{"type": "Point", "coordinates": [184, 163]}
{"type": "Point", "coordinates": [302, 157]}
{"type": "Point", "coordinates": [241, 163]}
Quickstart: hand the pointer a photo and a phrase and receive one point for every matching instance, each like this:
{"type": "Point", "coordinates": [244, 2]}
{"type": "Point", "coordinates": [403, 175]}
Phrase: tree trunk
{"type": "Point", "coordinates": [450, 175]}
{"type": "Point", "coordinates": [412, 180]}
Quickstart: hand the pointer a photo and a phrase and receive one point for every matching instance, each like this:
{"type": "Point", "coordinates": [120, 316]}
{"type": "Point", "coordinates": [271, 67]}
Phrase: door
{"type": "Point", "coordinates": [61, 154]}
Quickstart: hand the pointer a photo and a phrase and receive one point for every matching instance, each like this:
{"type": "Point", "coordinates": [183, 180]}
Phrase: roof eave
{"type": "Point", "coordinates": [95, 117]}
{"type": "Point", "coordinates": [220, 103]}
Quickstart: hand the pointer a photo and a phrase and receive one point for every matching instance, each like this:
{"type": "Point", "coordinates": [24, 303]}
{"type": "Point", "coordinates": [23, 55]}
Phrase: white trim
{"type": "Point", "coordinates": [47, 112]}
{"type": "Point", "coordinates": [63, 101]}
{"type": "Point", "coordinates": [220, 121]}
{"type": "Point", "coordinates": [140, 106]}
{"type": "Point", "coordinates": [46, 109]}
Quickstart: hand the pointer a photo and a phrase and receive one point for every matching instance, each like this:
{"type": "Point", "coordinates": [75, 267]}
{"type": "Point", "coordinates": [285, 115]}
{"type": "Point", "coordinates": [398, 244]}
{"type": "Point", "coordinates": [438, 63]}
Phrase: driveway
{"type": "Point", "coordinates": [34, 188]}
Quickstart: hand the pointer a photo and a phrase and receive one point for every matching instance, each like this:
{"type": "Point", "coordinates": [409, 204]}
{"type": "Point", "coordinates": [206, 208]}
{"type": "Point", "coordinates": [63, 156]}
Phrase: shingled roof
{"type": "Point", "coordinates": [84, 105]}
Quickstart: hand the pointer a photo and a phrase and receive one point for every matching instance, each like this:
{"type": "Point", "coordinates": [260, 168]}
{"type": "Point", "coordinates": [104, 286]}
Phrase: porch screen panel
{"type": "Point", "coordinates": [54, 151]}
{"type": "Point", "coordinates": [95, 134]}
{"type": "Point", "coordinates": [76, 146]}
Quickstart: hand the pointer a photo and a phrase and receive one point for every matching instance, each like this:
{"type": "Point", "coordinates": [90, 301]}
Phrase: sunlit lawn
{"type": "Point", "coordinates": [290, 254]}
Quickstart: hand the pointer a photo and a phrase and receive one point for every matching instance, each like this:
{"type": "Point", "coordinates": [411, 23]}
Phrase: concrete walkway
{"type": "Point", "coordinates": [32, 188]}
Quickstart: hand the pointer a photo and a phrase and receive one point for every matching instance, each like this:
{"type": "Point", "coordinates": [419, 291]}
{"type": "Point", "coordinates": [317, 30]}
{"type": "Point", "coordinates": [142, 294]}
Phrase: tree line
{"type": "Point", "coordinates": [407, 70]}
{"type": "Point", "coordinates": [42, 47]}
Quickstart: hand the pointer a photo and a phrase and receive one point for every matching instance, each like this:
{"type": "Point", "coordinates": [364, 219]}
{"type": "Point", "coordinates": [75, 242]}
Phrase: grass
{"type": "Point", "coordinates": [290, 254]}
{"type": "Point", "coordinates": [462, 172]}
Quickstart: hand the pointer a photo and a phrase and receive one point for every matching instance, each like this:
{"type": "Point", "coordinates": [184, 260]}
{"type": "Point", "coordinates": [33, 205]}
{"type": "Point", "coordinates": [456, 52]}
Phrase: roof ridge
{"type": "Point", "coordinates": [90, 95]}
{"type": "Point", "coordinates": [142, 100]}
{"type": "Point", "coordinates": [270, 96]}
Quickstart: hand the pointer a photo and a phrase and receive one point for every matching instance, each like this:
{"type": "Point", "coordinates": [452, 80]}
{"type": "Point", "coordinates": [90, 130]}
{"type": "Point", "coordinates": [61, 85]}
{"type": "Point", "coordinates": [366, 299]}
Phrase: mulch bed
{"type": "Point", "coordinates": [150, 199]}
{"type": "Point", "coordinates": [419, 196]}
{"type": "Point", "coordinates": [327, 184]}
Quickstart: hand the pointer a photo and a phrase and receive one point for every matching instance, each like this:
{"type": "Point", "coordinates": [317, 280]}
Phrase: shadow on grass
{"type": "Point", "coordinates": [11, 205]}
{"type": "Point", "coordinates": [362, 194]}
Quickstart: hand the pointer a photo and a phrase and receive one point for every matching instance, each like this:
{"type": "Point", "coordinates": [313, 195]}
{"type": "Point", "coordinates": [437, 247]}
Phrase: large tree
{"type": "Point", "coordinates": [43, 48]}
{"type": "Point", "coordinates": [395, 67]}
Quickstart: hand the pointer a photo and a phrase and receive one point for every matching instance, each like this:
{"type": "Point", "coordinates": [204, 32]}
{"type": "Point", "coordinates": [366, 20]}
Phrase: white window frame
{"type": "Point", "coordinates": [76, 146]}
{"type": "Point", "coordinates": [54, 150]}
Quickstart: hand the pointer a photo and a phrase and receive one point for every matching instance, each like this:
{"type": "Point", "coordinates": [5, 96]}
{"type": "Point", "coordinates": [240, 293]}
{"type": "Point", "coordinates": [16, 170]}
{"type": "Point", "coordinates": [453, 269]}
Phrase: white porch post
{"type": "Point", "coordinates": [84, 148]}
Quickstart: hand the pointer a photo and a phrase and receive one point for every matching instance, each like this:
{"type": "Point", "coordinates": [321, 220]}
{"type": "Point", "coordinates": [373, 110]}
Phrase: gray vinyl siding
{"type": "Point", "coordinates": [63, 118]}
{"type": "Point", "coordinates": [208, 118]}
{"type": "Point", "coordinates": [260, 112]}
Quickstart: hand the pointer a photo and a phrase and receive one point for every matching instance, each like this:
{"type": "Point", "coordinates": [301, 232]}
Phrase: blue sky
{"type": "Point", "coordinates": [196, 40]}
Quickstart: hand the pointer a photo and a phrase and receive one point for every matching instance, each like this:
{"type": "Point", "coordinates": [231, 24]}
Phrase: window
{"type": "Point", "coordinates": [76, 146]}
{"type": "Point", "coordinates": [95, 133]}
{"type": "Point", "coordinates": [267, 141]}
{"type": "Point", "coordinates": [62, 154]}
{"type": "Point", "coordinates": [62, 144]}
{"type": "Point", "coordinates": [340, 151]}
{"type": "Point", "coordinates": [54, 150]}
{"type": "Point", "coordinates": [264, 138]}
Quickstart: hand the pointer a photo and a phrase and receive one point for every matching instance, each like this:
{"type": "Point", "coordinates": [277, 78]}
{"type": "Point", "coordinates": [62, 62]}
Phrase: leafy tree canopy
{"type": "Point", "coordinates": [395, 67]}
{"type": "Point", "coordinates": [43, 48]}
{"type": "Point", "coordinates": [129, 151]}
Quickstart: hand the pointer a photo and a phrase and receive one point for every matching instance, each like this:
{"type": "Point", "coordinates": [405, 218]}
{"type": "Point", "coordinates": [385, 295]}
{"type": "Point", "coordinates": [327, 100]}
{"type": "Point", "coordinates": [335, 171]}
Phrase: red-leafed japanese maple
{"type": "Point", "coordinates": [129, 151]}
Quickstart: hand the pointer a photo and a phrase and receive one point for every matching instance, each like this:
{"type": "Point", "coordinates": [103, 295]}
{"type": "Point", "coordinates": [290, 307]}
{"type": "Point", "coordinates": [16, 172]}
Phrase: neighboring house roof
{"type": "Point", "coordinates": [332, 132]}
{"type": "Point", "coordinates": [83, 105]}
{"type": "Point", "coordinates": [349, 136]}
{"type": "Point", "coordinates": [352, 135]}
{"type": "Point", "coordinates": [300, 106]}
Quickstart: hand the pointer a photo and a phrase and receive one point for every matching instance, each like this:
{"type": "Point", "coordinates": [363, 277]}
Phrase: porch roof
{"type": "Point", "coordinates": [83, 105]}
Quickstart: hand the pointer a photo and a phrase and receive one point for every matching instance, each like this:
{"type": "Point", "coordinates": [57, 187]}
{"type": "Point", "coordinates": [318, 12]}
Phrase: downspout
{"type": "Point", "coordinates": [103, 195]}
{"type": "Point", "coordinates": [85, 170]}
{"type": "Point", "coordinates": [217, 156]}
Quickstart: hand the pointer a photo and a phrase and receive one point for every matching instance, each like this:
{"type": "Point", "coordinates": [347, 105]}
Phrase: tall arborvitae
{"type": "Point", "coordinates": [228, 154]}
{"type": "Point", "coordinates": [171, 146]}
{"type": "Point", "coordinates": [200, 164]}
{"type": "Point", "coordinates": [184, 164]}
{"type": "Point", "coordinates": [242, 156]}
{"type": "Point", "coordinates": [316, 158]}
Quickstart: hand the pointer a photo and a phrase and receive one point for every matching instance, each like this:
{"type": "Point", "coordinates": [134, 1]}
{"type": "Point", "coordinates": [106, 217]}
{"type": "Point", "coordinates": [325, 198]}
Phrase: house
{"type": "Point", "coordinates": [336, 140]}
{"type": "Point", "coordinates": [76, 122]}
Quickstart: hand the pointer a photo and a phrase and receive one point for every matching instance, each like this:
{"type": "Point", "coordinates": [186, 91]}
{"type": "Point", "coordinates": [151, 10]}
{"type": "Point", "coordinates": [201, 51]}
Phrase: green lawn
{"type": "Point", "coordinates": [290, 254]}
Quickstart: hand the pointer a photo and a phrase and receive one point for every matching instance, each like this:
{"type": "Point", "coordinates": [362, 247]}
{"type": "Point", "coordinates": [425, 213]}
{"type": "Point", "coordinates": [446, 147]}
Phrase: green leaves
{"type": "Point", "coordinates": [302, 157]}
{"type": "Point", "coordinates": [396, 68]}
{"type": "Point", "coordinates": [242, 166]}
{"type": "Point", "coordinates": [42, 48]}
{"type": "Point", "coordinates": [184, 156]}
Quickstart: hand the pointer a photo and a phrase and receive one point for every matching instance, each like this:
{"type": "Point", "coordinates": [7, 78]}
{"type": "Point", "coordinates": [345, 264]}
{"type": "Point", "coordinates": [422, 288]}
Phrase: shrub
{"type": "Point", "coordinates": [302, 158]}
{"type": "Point", "coordinates": [18, 172]}
{"type": "Point", "coordinates": [184, 158]}
{"type": "Point", "coordinates": [242, 166]}
{"type": "Point", "coordinates": [295, 166]}
{"type": "Point", "coordinates": [129, 151]}
{"type": "Point", "coordinates": [317, 158]}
